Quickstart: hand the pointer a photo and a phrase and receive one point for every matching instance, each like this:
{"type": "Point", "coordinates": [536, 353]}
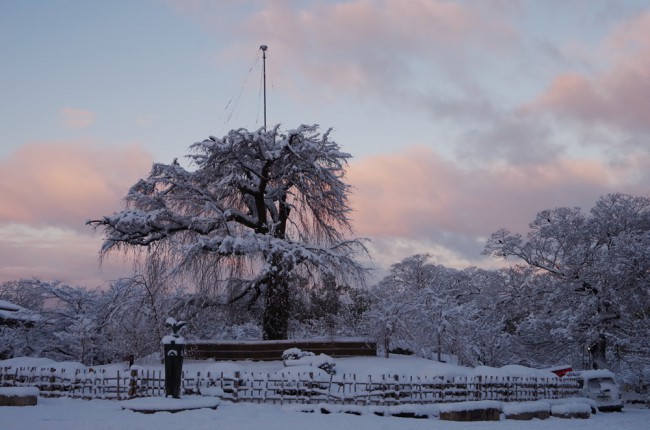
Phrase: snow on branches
{"type": "Point", "coordinates": [274, 198]}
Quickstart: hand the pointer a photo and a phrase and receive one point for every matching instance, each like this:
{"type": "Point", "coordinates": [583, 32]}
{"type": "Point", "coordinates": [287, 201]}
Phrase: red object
{"type": "Point", "coordinates": [561, 371]}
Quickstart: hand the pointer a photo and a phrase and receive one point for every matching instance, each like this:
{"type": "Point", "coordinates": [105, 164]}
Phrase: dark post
{"type": "Point", "coordinates": [174, 347]}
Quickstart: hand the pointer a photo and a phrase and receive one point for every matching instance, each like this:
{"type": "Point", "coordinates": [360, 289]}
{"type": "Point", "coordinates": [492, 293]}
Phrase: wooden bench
{"type": "Point", "coordinates": [273, 349]}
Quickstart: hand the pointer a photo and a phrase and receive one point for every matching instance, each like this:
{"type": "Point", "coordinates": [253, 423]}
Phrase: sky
{"type": "Point", "coordinates": [462, 117]}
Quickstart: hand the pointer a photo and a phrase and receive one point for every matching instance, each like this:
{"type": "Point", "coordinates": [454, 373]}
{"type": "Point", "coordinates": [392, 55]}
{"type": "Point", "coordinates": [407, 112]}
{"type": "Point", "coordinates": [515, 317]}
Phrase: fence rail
{"type": "Point", "coordinates": [283, 388]}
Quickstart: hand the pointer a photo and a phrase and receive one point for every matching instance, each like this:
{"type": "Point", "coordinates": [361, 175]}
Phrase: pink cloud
{"type": "Point", "coordinates": [65, 183]}
{"type": "Point", "coordinates": [52, 253]}
{"type": "Point", "coordinates": [361, 43]}
{"type": "Point", "coordinates": [618, 95]}
{"type": "Point", "coordinates": [394, 190]}
{"type": "Point", "coordinates": [49, 190]}
{"type": "Point", "coordinates": [417, 193]}
{"type": "Point", "coordinates": [77, 118]}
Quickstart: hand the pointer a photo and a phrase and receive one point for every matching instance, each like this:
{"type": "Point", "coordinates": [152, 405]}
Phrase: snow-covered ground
{"type": "Point", "coordinates": [72, 414]}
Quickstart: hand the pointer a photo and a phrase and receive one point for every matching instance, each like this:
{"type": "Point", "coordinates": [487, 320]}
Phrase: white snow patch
{"type": "Point", "coordinates": [171, 339]}
{"type": "Point", "coordinates": [525, 407]}
{"type": "Point", "coordinates": [19, 391]}
{"type": "Point", "coordinates": [571, 408]}
{"type": "Point", "coordinates": [169, 404]}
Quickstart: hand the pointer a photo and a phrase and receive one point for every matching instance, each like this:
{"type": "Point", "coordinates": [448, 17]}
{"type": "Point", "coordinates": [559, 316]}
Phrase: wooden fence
{"type": "Point", "coordinates": [284, 388]}
{"type": "Point", "coordinates": [87, 384]}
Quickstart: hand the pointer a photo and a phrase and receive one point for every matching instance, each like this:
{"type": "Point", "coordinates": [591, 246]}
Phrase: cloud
{"type": "Point", "coordinates": [77, 118]}
{"type": "Point", "coordinates": [618, 94]}
{"type": "Point", "coordinates": [65, 183]}
{"type": "Point", "coordinates": [417, 196]}
{"type": "Point", "coordinates": [53, 253]}
{"type": "Point", "coordinates": [145, 120]}
{"type": "Point", "coordinates": [508, 137]}
{"type": "Point", "coordinates": [49, 190]}
{"type": "Point", "coordinates": [368, 44]}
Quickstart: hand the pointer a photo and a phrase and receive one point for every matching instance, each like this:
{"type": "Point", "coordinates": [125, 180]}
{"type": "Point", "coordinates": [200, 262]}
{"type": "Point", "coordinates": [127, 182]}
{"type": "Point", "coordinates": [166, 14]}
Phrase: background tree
{"type": "Point", "coordinates": [389, 315]}
{"type": "Point", "coordinates": [67, 328]}
{"type": "Point", "coordinates": [600, 264]}
{"type": "Point", "coordinates": [426, 308]}
{"type": "Point", "coordinates": [263, 208]}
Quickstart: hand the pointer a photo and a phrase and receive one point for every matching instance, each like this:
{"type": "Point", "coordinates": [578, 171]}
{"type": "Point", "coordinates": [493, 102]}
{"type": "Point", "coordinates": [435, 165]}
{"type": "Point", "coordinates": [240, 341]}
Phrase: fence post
{"type": "Point", "coordinates": [310, 386]}
{"type": "Point", "coordinates": [282, 388]}
{"type": "Point", "coordinates": [398, 390]}
{"type": "Point", "coordinates": [235, 388]}
{"type": "Point", "coordinates": [133, 383]}
{"type": "Point", "coordinates": [51, 379]}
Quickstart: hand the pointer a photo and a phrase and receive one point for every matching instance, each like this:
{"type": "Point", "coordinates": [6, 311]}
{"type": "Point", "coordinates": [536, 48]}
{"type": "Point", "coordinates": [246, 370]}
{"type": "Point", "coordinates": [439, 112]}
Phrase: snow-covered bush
{"type": "Point", "coordinates": [294, 354]}
{"type": "Point", "coordinates": [296, 357]}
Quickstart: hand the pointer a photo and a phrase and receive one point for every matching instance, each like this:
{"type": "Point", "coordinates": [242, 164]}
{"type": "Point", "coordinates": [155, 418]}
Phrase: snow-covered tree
{"type": "Point", "coordinates": [390, 314]}
{"type": "Point", "coordinates": [262, 208]}
{"type": "Point", "coordinates": [428, 309]}
{"type": "Point", "coordinates": [89, 326]}
{"type": "Point", "coordinates": [66, 328]}
{"type": "Point", "coordinates": [600, 261]}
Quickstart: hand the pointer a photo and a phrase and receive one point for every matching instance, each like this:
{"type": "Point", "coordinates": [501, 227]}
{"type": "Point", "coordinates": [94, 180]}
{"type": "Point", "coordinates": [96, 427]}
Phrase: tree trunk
{"type": "Point", "coordinates": [275, 316]}
{"type": "Point", "coordinates": [598, 352]}
{"type": "Point", "coordinates": [386, 345]}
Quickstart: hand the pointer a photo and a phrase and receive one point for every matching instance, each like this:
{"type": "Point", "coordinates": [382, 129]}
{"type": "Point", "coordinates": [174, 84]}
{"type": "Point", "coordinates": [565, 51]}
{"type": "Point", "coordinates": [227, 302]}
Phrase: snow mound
{"type": "Point", "coordinates": [168, 404]}
{"type": "Point", "coordinates": [526, 407]}
{"type": "Point", "coordinates": [571, 408]}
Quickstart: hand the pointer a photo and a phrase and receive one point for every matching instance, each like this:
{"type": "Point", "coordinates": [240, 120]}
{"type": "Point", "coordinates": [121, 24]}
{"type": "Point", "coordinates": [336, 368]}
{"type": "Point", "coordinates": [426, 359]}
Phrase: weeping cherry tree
{"type": "Point", "coordinates": [268, 209]}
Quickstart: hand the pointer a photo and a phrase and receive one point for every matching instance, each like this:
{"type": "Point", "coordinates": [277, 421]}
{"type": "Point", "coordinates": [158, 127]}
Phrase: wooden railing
{"type": "Point", "coordinates": [280, 387]}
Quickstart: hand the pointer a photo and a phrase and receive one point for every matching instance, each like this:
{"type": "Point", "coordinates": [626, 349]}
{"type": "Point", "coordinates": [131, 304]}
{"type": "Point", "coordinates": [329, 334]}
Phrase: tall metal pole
{"type": "Point", "coordinates": [264, 48]}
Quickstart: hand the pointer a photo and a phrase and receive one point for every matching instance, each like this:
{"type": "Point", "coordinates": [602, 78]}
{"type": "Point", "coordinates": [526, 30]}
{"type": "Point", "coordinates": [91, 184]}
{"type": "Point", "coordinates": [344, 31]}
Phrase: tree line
{"type": "Point", "coordinates": [570, 300]}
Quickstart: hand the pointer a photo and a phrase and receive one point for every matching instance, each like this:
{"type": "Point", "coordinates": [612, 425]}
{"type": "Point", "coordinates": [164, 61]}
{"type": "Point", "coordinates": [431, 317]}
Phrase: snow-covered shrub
{"type": "Point", "coordinates": [296, 357]}
{"type": "Point", "coordinates": [294, 354]}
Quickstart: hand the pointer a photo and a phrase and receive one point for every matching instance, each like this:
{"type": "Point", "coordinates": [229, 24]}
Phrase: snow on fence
{"type": "Point", "coordinates": [86, 383]}
{"type": "Point", "coordinates": [287, 388]}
